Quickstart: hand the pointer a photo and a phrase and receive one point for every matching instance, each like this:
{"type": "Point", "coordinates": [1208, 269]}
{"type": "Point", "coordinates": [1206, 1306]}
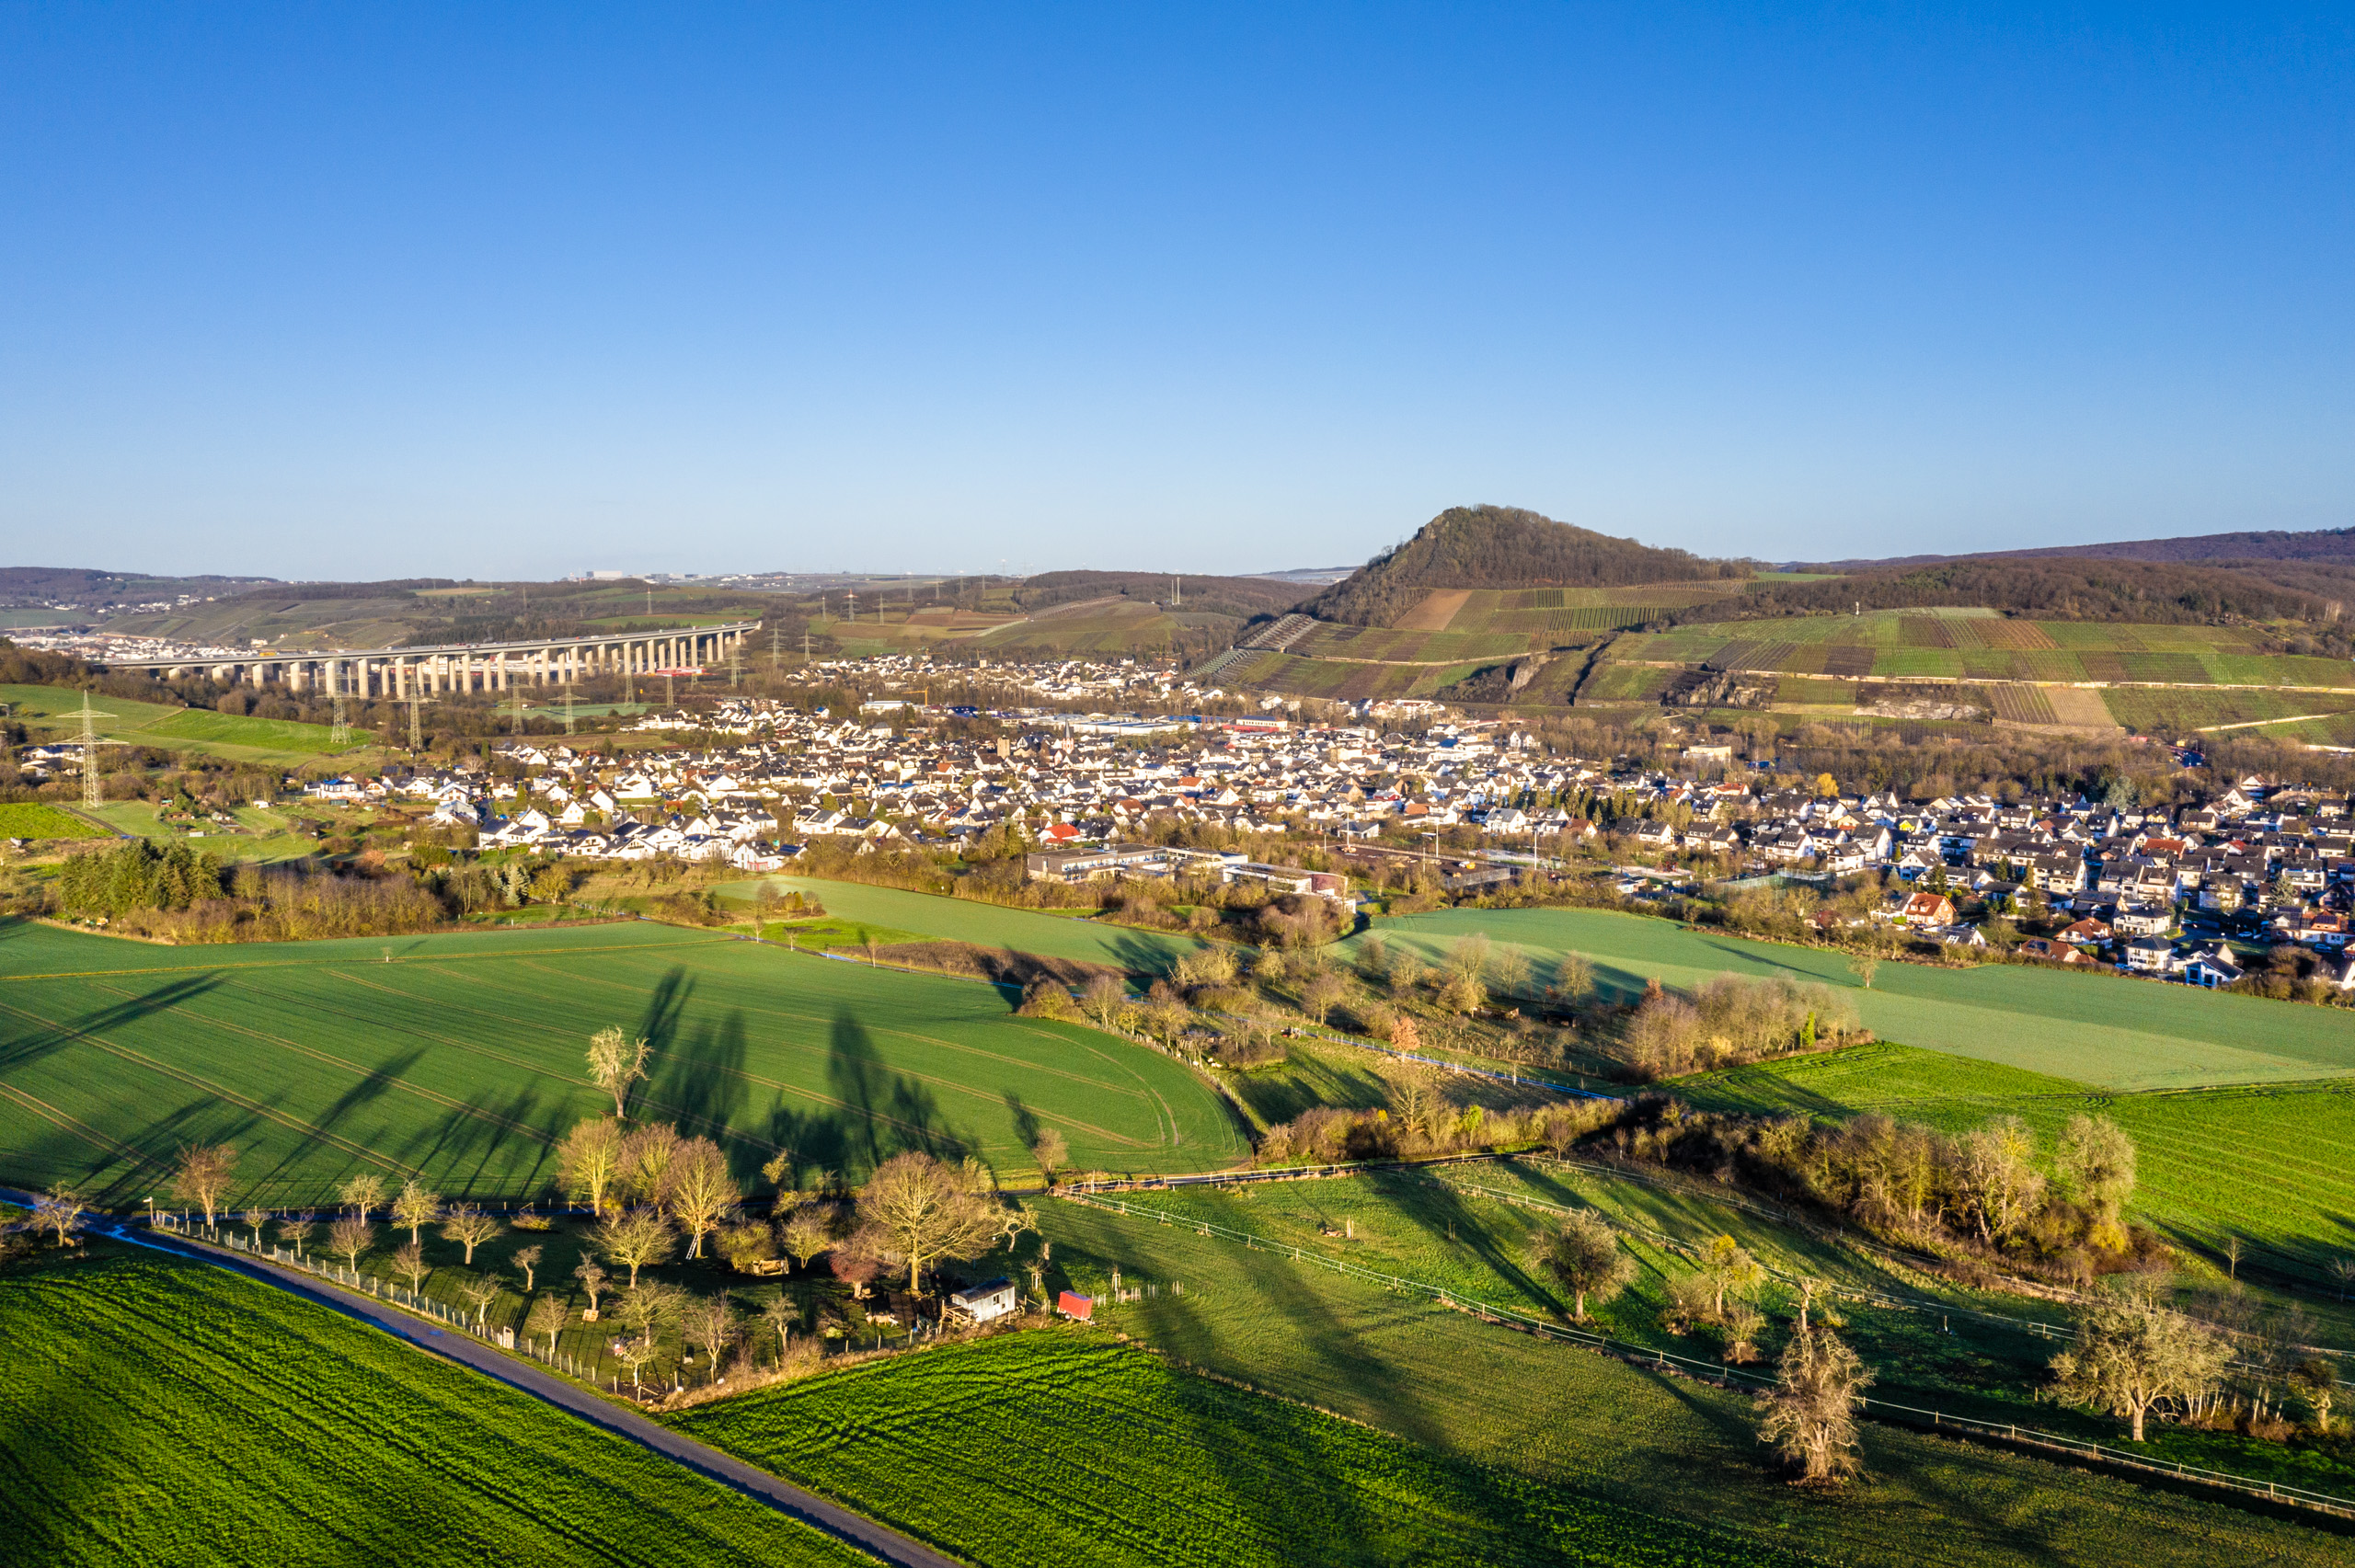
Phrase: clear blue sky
{"type": "Point", "coordinates": [347, 290]}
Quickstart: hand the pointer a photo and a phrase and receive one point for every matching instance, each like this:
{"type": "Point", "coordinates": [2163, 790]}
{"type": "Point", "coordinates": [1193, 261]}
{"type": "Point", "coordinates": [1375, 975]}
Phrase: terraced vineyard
{"type": "Point", "coordinates": [168, 1413]}
{"type": "Point", "coordinates": [458, 1059]}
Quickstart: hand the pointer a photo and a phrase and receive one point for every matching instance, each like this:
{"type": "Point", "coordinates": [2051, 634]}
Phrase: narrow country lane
{"type": "Point", "coordinates": [516, 1373]}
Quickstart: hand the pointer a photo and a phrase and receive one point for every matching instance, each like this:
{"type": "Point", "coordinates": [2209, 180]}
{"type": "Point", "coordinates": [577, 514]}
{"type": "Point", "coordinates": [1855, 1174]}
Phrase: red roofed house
{"type": "Point", "coordinates": [1927, 908]}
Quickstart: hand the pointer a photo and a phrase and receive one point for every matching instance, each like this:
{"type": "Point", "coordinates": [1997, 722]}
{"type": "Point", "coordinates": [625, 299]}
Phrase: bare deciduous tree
{"type": "Point", "coordinates": [1730, 1271]}
{"type": "Point", "coordinates": [480, 1292]}
{"type": "Point", "coordinates": [923, 1214]}
{"type": "Point", "coordinates": [1810, 1413]}
{"type": "Point", "coordinates": [349, 1237]}
{"type": "Point", "coordinates": [634, 1352]}
{"type": "Point", "coordinates": [588, 1160]}
{"type": "Point", "coordinates": [806, 1234]}
{"type": "Point", "coordinates": [1864, 966]}
{"type": "Point", "coordinates": [2133, 1351]}
{"type": "Point", "coordinates": [415, 1207]}
{"type": "Point", "coordinates": [710, 1324]}
{"type": "Point", "coordinates": [201, 1175]}
{"type": "Point", "coordinates": [1103, 1001]}
{"type": "Point", "coordinates": [650, 1157]}
{"type": "Point", "coordinates": [255, 1218]}
{"type": "Point", "coordinates": [616, 1062]}
{"type": "Point", "coordinates": [778, 1317]}
{"type": "Point", "coordinates": [635, 1238]}
{"type": "Point", "coordinates": [546, 1319]}
{"type": "Point", "coordinates": [1582, 1252]}
{"type": "Point", "coordinates": [296, 1231]}
{"type": "Point", "coordinates": [58, 1210]}
{"type": "Point", "coordinates": [470, 1228]}
{"type": "Point", "coordinates": [1051, 1152]}
{"type": "Point", "coordinates": [593, 1279]}
{"type": "Point", "coordinates": [702, 1190]}
{"type": "Point", "coordinates": [362, 1192]}
{"type": "Point", "coordinates": [528, 1260]}
{"type": "Point", "coordinates": [410, 1264]}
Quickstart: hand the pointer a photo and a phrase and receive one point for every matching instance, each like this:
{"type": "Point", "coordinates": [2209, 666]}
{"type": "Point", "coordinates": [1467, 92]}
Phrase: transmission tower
{"type": "Point", "coordinates": [515, 712]}
{"type": "Point", "coordinates": [340, 733]}
{"type": "Point", "coordinates": [567, 707]}
{"type": "Point", "coordinates": [775, 633]}
{"type": "Point", "coordinates": [92, 797]}
{"type": "Point", "coordinates": [735, 664]}
{"type": "Point", "coordinates": [416, 723]}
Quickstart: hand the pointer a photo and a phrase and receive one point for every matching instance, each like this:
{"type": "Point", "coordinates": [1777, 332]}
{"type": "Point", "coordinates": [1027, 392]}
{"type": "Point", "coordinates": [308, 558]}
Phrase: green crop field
{"type": "Point", "coordinates": [2117, 1034]}
{"type": "Point", "coordinates": [1058, 1446]}
{"type": "Point", "coordinates": [985, 925]}
{"type": "Point", "coordinates": [1588, 1427]}
{"type": "Point", "coordinates": [2267, 1164]}
{"type": "Point", "coordinates": [28, 819]}
{"type": "Point", "coordinates": [460, 1059]}
{"type": "Point", "coordinates": [168, 1413]}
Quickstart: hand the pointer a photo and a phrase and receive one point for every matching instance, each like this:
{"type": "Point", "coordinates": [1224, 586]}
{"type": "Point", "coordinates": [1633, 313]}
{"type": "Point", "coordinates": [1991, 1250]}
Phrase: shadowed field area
{"type": "Point", "coordinates": [459, 1059]}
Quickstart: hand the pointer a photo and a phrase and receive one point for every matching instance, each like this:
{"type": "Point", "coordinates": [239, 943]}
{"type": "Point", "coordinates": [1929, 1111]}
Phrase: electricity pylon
{"type": "Point", "coordinates": [416, 723]}
{"type": "Point", "coordinates": [735, 664]}
{"type": "Point", "coordinates": [92, 797]}
{"type": "Point", "coordinates": [340, 734]}
{"type": "Point", "coordinates": [567, 707]}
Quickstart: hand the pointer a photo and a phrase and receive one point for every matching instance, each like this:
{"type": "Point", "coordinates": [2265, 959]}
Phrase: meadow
{"type": "Point", "coordinates": [897, 912]}
{"type": "Point", "coordinates": [2267, 1164]}
{"type": "Point", "coordinates": [53, 713]}
{"type": "Point", "coordinates": [1059, 1447]}
{"type": "Point", "coordinates": [168, 1412]}
{"type": "Point", "coordinates": [1589, 1428]}
{"type": "Point", "coordinates": [28, 819]}
{"type": "Point", "coordinates": [457, 1058]}
{"type": "Point", "coordinates": [2117, 1034]}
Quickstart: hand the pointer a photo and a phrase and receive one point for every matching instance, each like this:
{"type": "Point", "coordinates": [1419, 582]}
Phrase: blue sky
{"type": "Point", "coordinates": [350, 290]}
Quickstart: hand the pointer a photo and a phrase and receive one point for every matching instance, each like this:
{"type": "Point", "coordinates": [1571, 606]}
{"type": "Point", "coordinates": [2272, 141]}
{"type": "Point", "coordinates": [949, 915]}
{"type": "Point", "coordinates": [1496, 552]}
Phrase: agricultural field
{"type": "Point", "coordinates": [457, 1058]}
{"type": "Point", "coordinates": [1060, 1446]}
{"type": "Point", "coordinates": [166, 1413]}
{"type": "Point", "coordinates": [28, 819]}
{"type": "Point", "coordinates": [2267, 1164]}
{"type": "Point", "coordinates": [1465, 1230]}
{"type": "Point", "coordinates": [260, 834]}
{"type": "Point", "coordinates": [52, 713]}
{"type": "Point", "coordinates": [1592, 1429]}
{"type": "Point", "coordinates": [2144, 708]}
{"type": "Point", "coordinates": [2120, 1034]}
{"type": "Point", "coordinates": [927, 916]}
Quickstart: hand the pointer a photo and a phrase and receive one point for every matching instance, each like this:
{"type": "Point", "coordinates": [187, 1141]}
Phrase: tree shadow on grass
{"type": "Point", "coordinates": [878, 1113]}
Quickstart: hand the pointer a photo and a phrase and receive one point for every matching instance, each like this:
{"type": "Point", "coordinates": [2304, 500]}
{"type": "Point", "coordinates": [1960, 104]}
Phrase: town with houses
{"type": "Point", "coordinates": [2173, 894]}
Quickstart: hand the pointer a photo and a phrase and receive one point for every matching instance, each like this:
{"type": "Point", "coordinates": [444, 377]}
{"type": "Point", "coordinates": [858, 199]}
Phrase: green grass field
{"type": "Point", "coordinates": [168, 1413]}
{"type": "Point", "coordinates": [28, 819]}
{"type": "Point", "coordinates": [1587, 1428]}
{"type": "Point", "coordinates": [2267, 1164]}
{"type": "Point", "coordinates": [52, 711]}
{"type": "Point", "coordinates": [895, 910]}
{"type": "Point", "coordinates": [460, 1060]}
{"type": "Point", "coordinates": [1059, 1447]}
{"type": "Point", "coordinates": [2119, 1034]}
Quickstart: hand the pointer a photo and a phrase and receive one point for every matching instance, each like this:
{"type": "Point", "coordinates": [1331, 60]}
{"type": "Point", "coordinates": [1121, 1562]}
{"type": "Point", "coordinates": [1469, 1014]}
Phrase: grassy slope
{"type": "Point", "coordinates": [52, 713]}
{"type": "Point", "coordinates": [2267, 1163]}
{"type": "Point", "coordinates": [1596, 1428]}
{"type": "Point", "coordinates": [461, 1059]}
{"type": "Point", "coordinates": [166, 1413]}
{"type": "Point", "coordinates": [986, 926]}
{"type": "Point", "coordinates": [2117, 1034]}
{"type": "Point", "coordinates": [1058, 1446]}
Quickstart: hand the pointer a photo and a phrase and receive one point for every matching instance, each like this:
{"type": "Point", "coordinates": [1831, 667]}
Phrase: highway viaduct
{"type": "Point", "coordinates": [461, 666]}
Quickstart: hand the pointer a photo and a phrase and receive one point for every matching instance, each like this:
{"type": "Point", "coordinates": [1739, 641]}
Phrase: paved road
{"type": "Point", "coordinates": [468, 1351]}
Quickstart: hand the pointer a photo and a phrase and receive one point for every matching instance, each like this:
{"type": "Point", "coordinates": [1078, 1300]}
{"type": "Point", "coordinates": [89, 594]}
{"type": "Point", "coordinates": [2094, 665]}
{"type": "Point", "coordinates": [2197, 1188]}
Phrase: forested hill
{"type": "Point", "coordinates": [1488, 546]}
{"type": "Point", "coordinates": [2047, 588]}
{"type": "Point", "coordinates": [2207, 549]}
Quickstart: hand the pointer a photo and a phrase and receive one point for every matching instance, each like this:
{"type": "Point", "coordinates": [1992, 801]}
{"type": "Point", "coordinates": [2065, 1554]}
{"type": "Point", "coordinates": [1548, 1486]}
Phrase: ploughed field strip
{"type": "Point", "coordinates": [459, 1060]}
{"type": "Point", "coordinates": [166, 1413]}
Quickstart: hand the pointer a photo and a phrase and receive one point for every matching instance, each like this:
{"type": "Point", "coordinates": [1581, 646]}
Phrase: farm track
{"type": "Point", "coordinates": [762, 1486]}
